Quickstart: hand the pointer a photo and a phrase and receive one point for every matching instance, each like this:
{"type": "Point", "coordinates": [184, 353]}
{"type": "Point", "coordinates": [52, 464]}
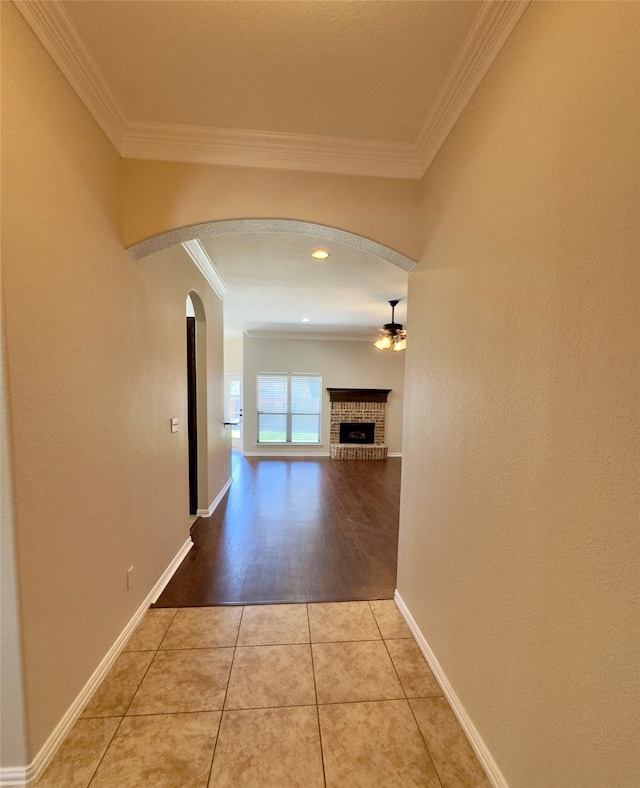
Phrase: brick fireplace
{"type": "Point", "coordinates": [353, 407]}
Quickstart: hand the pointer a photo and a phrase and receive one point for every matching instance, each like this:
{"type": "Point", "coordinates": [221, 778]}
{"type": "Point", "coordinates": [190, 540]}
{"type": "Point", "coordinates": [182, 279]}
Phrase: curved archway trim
{"type": "Point", "coordinates": [238, 226]}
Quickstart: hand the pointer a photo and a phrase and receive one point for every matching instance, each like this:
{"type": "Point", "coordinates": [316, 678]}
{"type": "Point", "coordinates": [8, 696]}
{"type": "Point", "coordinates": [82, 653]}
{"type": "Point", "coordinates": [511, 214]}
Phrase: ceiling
{"type": "Point", "coordinates": [367, 87]}
{"type": "Point", "coordinates": [274, 283]}
{"type": "Point", "coordinates": [321, 68]}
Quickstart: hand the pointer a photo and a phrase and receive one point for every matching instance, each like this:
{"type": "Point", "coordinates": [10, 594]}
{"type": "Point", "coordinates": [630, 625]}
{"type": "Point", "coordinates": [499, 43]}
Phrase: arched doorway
{"type": "Point", "coordinates": [196, 403]}
{"type": "Point", "coordinates": [320, 232]}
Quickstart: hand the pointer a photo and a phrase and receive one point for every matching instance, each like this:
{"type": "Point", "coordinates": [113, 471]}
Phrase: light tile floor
{"type": "Point", "coordinates": [269, 696]}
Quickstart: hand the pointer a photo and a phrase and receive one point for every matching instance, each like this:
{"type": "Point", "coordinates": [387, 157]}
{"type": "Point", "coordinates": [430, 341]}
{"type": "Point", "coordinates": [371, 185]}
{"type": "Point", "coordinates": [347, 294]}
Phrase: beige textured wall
{"type": "Point", "coordinates": [233, 353]}
{"type": "Point", "coordinates": [96, 369]}
{"type": "Point", "coordinates": [13, 720]}
{"type": "Point", "coordinates": [161, 196]}
{"type": "Point", "coordinates": [342, 365]}
{"type": "Point", "coordinates": [519, 516]}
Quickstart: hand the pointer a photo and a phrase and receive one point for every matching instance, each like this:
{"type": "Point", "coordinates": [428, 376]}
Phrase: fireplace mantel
{"type": "Point", "coordinates": [358, 395]}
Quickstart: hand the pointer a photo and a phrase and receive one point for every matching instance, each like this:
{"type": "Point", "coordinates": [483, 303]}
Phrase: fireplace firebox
{"type": "Point", "coordinates": [357, 432]}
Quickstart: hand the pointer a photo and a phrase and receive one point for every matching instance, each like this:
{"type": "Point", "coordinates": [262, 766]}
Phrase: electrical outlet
{"type": "Point", "coordinates": [129, 577]}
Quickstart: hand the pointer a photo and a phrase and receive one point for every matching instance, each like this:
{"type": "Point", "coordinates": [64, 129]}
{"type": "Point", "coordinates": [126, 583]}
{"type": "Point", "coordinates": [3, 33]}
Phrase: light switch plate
{"type": "Point", "coordinates": [174, 425]}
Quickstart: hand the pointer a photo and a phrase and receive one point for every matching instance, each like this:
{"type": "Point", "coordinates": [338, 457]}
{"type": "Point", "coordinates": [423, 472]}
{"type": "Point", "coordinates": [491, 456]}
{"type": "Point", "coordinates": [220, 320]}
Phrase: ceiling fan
{"type": "Point", "coordinates": [392, 334]}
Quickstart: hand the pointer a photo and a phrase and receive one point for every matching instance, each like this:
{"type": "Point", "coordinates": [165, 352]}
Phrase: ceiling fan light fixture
{"type": "Point", "coordinates": [384, 343]}
{"type": "Point", "coordinates": [393, 335]}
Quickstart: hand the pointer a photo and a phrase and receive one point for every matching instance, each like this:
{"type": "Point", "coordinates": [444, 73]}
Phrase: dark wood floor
{"type": "Point", "coordinates": [295, 530]}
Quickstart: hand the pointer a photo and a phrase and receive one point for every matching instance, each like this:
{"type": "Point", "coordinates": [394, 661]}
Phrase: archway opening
{"type": "Point", "coordinates": [196, 403]}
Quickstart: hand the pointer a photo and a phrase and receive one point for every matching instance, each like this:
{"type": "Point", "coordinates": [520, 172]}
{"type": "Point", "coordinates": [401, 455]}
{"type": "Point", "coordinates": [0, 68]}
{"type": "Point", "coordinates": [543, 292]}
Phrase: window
{"type": "Point", "coordinates": [289, 408]}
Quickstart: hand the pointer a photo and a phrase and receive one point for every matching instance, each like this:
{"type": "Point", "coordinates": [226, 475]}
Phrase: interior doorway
{"type": "Point", "coordinates": [233, 407]}
{"type": "Point", "coordinates": [192, 413]}
{"type": "Point", "coordinates": [196, 404]}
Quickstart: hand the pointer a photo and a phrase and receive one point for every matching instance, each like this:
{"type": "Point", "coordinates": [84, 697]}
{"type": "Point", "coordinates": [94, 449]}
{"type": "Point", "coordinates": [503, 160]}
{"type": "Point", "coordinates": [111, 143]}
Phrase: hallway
{"type": "Point", "coordinates": [503, 163]}
{"type": "Point", "coordinates": [301, 695]}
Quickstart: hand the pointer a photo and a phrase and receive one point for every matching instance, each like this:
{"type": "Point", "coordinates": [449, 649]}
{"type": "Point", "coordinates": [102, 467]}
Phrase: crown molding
{"type": "Point", "coordinates": [198, 254]}
{"type": "Point", "coordinates": [271, 150]}
{"type": "Point", "coordinates": [492, 27]}
{"type": "Point", "coordinates": [62, 41]}
{"type": "Point", "coordinates": [302, 335]}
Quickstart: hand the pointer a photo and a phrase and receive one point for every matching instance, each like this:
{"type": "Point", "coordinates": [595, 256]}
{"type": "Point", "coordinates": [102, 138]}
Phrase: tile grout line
{"type": "Point", "coordinates": [315, 689]}
{"type": "Point", "coordinates": [406, 696]}
{"type": "Point", "coordinates": [386, 648]}
{"type": "Point", "coordinates": [224, 700]}
{"type": "Point", "coordinates": [167, 629]}
{"type": "Point", "coordinates": [153, 659]}
{"type": "Point", "coordinates": [433, 763]}
{"type": "Point", "coordinates": [119, 725]}
{"type": "Point", "coordinates": [106, 750]}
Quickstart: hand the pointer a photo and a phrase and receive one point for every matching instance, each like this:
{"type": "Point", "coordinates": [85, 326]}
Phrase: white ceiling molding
{"type": "Point", "coordinates": [186, 236]}
{"type": "Point", "coordinates": [203, 262]}
{"type": "Point", "coordinates": [491, 29]}
{"type": "Point", "coordinates": [270, 149]}
{"type": "Point", "coordinates": [59, 36]}
{"type": "Point", "coordinates": [302, 335]}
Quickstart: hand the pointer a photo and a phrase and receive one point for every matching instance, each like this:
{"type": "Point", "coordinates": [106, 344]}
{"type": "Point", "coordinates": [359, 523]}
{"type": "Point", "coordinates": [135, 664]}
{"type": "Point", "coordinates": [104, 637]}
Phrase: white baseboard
{"type": "Point", "coordinates": [480, 748]}
{"type": "Point", "coordinates": [286, 454]}
{"type": "Point", "coordinates": [23, 777]}
{"type": "Point", "coordinates": [163, 582]}
{"type": "Point", "coordinates": [208, 512]}
{"type": "Point", "coordinates": [271, 453]}
{"type": "Point", "coordinates": [14, 776]}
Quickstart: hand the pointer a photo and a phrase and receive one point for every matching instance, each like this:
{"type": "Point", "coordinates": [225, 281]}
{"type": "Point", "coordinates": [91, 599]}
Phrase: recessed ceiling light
{"type": "Point", "coordinates": [305, 319]}
{"type": "Point", "coordinates": [320, 254]}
